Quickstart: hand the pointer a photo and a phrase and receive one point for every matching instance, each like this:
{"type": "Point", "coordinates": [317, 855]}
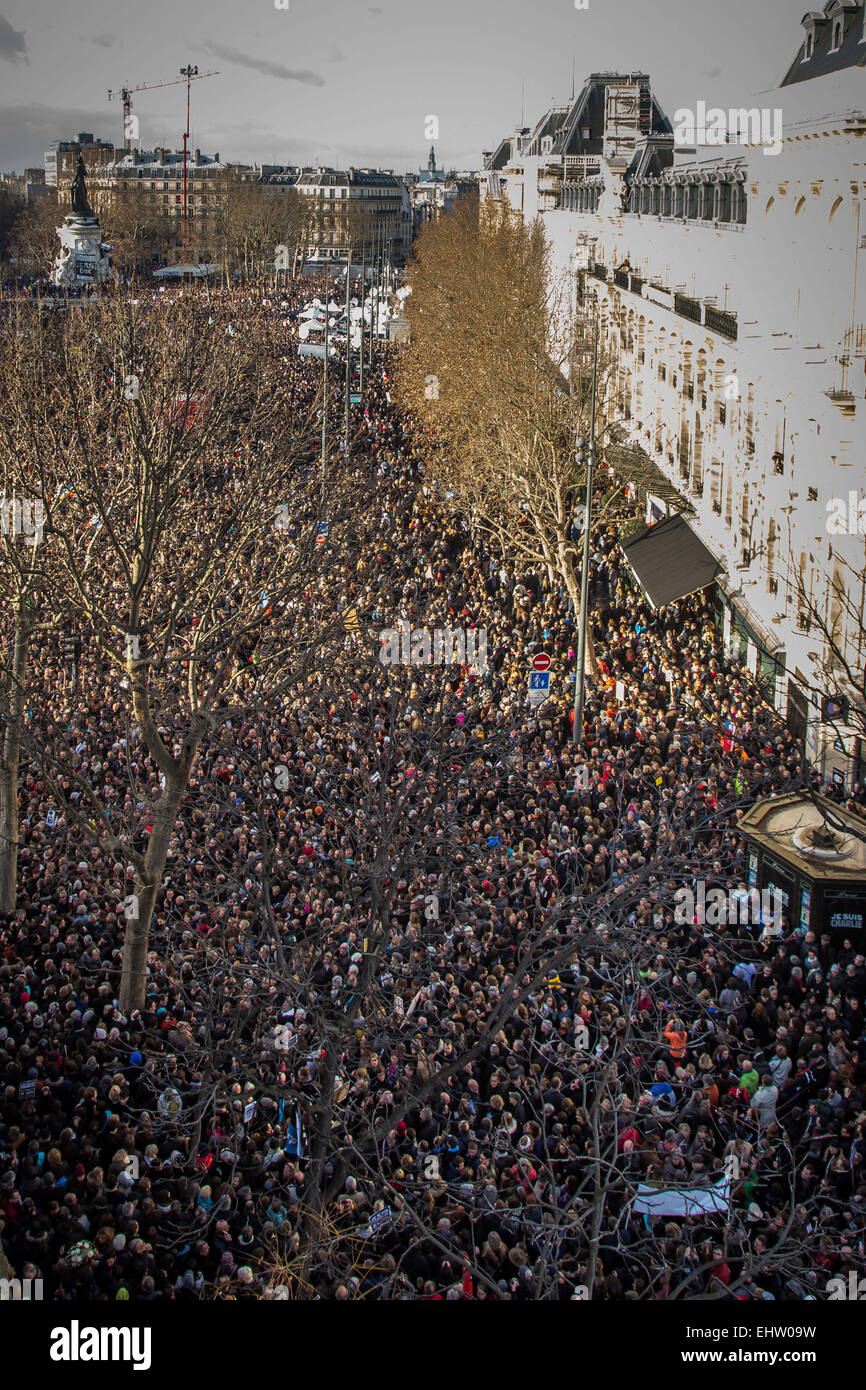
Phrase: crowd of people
{"type": "Point", "coordinates": [474, 1081]}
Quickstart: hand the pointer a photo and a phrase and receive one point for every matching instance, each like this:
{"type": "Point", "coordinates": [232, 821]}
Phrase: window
{"type": "Point", "coordinates": [813, 494]}
{"type": "Point", "coordinates": [838, 27]}
{"type": "Point", "coordinates": [809, 47]}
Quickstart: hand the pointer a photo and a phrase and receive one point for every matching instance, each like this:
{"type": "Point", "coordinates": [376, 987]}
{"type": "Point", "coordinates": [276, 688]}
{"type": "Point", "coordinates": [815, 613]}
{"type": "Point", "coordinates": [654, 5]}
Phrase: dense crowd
{"type": "Point", "coordinates": [459, 1162]}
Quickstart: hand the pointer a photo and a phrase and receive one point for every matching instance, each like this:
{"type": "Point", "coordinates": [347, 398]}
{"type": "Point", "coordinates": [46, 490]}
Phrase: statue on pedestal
{"type": "Point", "coordinates": [83, 261]}
{"type": "Point", "coordinates": [78, 192]}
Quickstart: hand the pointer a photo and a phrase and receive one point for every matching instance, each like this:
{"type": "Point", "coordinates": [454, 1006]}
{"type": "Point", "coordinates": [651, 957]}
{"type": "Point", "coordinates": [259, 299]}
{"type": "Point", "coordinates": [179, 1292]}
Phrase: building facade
{"type": "Point", "coordinates": [731, 280]}
{"type": "Point", "coordinates": [364, 209]}
{"type": "Point", "coordinates": [157, 176]}
{"type": "Point", "coordinates": [62, 156]}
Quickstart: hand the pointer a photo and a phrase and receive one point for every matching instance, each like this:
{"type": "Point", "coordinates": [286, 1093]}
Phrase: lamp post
{"type": "Point", "coordinates": [348, 345]}
{"type": "Point", "coordinates": [373, 292]}
{"type": "Point", "coordinates": [585, 455]}
{"type": "Point", "coordinates": [189, 72]}
{"type": "Point", "coordinates": [361, 325]}
{"type": "Point", "coordinates": [325, 387]}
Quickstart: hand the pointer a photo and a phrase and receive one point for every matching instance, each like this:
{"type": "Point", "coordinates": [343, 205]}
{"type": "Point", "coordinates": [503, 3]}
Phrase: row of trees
{"type": "Point", "coordinates": [115, 425]}
{"type": "Point", "coordinates": [244, 225]}
{"type": "Point", "coordinates": [499, 378]}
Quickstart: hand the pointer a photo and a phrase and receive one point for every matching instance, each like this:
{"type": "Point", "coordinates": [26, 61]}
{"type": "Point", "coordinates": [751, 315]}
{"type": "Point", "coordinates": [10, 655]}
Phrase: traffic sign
{"type": "Point", "coordinates": [539, 687]}
{"type": "Point", "coordinates": [354, 398]}
{"type": "Point", "coordinates": [541, 662]}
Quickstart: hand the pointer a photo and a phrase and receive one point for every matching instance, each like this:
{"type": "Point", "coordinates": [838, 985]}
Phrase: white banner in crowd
{"type": "Point", "coordinates": [683, 1201]}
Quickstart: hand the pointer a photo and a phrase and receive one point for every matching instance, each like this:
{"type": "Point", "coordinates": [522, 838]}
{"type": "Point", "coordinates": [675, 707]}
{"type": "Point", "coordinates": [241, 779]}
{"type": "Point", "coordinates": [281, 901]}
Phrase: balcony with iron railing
{"type": "Point", "coordinates": [689, 308]}
{"type": "Point", "coordinates": [720, 321]}
{"type": "Point", "coordinates": [697, 311]}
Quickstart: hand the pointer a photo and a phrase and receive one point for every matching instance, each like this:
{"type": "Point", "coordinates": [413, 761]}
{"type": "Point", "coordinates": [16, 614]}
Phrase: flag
{"type": "Point", "coordinates": [351, 622]}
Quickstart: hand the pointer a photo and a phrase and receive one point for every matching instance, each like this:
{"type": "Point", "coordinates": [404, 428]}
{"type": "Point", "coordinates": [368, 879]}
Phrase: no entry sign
{"type": "Point", "coordinates": [541, 662]}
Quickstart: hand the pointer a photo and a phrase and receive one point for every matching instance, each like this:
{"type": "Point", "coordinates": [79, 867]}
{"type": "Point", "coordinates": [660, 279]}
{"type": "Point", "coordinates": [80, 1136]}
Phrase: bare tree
{"type": "Point", "coordinates": [193, 597]}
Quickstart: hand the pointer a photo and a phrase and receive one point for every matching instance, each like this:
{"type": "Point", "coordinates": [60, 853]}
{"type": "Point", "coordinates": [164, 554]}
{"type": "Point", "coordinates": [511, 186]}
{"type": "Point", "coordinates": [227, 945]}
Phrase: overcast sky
{"type": "Point", "coordinates": [346, 82]}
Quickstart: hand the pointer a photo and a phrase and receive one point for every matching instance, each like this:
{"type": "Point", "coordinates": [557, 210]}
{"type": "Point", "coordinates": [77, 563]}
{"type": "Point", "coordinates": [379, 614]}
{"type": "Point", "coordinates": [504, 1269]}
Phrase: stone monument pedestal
{"type": "Point", "coordinates": [82, 260]}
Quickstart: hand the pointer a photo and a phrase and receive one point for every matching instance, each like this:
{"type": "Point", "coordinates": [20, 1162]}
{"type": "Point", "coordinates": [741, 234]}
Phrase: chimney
{"type": "Point", "coordinates": [198, 156]}
{"type": "Point", "coordinates": [216, 158]}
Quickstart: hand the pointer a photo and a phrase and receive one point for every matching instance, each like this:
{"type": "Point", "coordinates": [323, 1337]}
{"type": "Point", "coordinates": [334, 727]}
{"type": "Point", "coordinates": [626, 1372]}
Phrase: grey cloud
{"type": "Point", "coordinates": [13, 45]}
{"type": "Point", "coordinates": [102, 40]}
{"type": "Point", "coordinates": [26, 130]}
{"type": "Point", "coordinates": [262, 65]}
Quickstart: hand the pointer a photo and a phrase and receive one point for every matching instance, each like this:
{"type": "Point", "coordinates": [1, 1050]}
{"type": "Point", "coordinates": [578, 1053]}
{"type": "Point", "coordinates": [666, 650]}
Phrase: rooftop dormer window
{"type": "Point", "coordinates": [809, 46]}
{"type": "Point", "coordinates": [836, 41]}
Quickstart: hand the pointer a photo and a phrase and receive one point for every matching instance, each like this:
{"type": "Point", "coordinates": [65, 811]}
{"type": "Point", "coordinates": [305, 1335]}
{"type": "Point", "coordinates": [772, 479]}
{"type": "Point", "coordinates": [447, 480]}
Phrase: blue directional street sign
{"type": "Point", "coordinates": [539, 687]}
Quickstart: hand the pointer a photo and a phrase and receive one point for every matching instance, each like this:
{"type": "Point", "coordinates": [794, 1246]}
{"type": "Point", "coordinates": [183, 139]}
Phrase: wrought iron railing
{"type": "Point", "coordinates": [689, 308]}
{"type": "Point", "coordinates": [718, 321]}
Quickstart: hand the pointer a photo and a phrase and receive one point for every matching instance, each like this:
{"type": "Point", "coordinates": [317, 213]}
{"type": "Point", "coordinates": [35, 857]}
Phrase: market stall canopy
{"type": "Point", "coordinates": [669, 561]}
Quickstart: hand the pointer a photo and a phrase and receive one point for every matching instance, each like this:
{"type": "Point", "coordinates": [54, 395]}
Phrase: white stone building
{"type": "Point", "coordinates": [732, 283]}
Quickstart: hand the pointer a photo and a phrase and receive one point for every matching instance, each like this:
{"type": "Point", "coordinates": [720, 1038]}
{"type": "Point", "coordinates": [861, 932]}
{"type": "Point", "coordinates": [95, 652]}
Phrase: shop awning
{"type": "Point", "coordinates": [669, 561]}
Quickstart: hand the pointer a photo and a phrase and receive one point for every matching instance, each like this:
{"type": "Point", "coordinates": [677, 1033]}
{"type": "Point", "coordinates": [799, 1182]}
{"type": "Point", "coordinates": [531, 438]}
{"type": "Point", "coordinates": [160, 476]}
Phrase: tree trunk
{"type": "Point", "coordinates": [573, 587]}
{"type": "Point", "coordinates": [311, 1227]}
{"type": "Point", "coordinates": [134, 974]}
{"type": "Point", "coordinates": [9, 769]}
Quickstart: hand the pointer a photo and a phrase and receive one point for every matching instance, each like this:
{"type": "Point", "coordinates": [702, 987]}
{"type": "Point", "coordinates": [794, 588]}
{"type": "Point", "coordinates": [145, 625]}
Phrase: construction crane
{"type": "Point", "coordinates": [125, 94]}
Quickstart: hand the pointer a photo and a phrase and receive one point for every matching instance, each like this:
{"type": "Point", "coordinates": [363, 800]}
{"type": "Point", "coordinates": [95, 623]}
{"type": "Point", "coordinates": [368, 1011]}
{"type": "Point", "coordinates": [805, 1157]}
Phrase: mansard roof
{"type": "Point", "coordinates": [819, 26]}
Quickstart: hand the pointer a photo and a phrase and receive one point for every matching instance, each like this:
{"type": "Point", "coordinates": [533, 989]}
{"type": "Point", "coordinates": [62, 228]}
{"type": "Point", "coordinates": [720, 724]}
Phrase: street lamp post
{"type": "Point", "coordinates": [373, 293]}
{"type": "Point", "coordinates": [325, 388]}
{"type": "Point", "coordinates": [348, 346]}
{"type": "Point", "coordinates": [361, 326]}
{"type": "Point", "coordinates": [189, 72]}
{"type": "Point", "coordinates": [587, 456]}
